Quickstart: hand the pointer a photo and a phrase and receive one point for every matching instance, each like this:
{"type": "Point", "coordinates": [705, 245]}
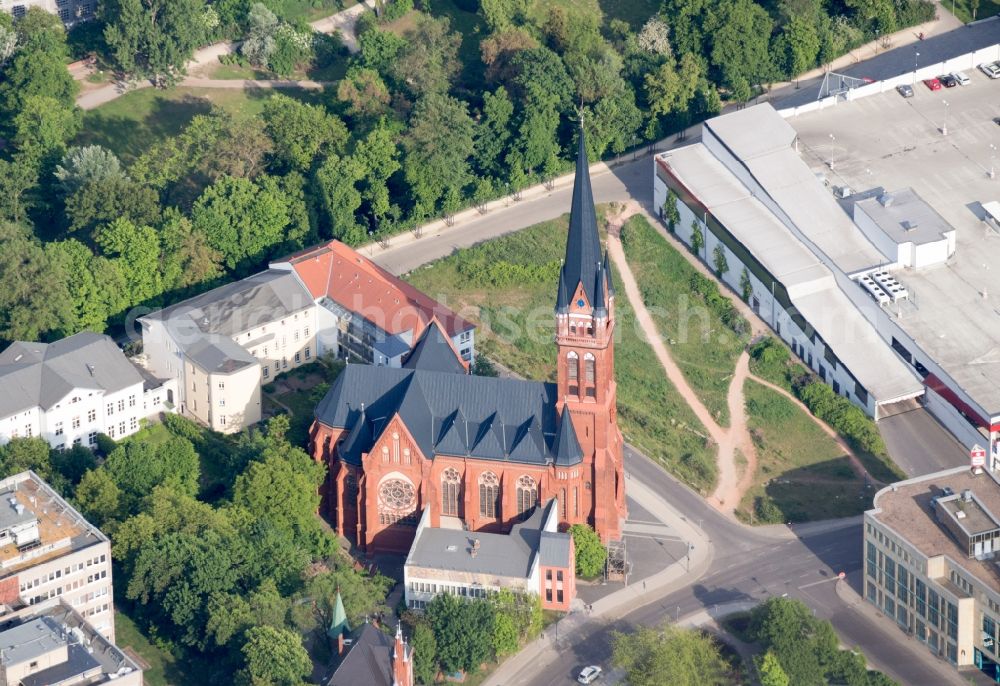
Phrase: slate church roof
{"type": "Point", "coordinates": [434, 352]}
{"type": "Point", "coordinates": [450, 414]}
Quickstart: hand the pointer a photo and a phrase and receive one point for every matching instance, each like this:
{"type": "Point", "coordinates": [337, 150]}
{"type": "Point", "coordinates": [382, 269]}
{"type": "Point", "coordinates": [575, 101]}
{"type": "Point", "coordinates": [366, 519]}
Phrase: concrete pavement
{"type": "Point", "coordinates": [536, 655]}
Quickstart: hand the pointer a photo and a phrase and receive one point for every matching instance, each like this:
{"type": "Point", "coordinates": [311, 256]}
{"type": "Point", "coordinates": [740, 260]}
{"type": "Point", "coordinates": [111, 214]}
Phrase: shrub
{"type": "Point", "coordinates": [590, 552]}
{"type": "Point", "coordinates": [394, 9]}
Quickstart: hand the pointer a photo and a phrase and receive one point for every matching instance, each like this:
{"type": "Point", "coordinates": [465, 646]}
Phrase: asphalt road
{"type": "Point", "coordinates": [632, 180]}
{"type": "Point", "coordinates": [919, 444]}
{"type": "Point", "coordinates": [751, 566]}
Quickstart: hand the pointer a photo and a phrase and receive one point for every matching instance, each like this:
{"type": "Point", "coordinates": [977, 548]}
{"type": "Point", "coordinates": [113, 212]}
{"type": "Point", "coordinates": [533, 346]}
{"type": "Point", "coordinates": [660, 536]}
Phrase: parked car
{"type": "Point", "coordinates": [962, 79]}
{"type": "Point", "coordinates": [933, 84]}
{"type": "Point", "coordinates": [991, 69]}
{"type": "Point", "coordinates": [589, 674]}
{"type": "Point", "coordinates": [996, 120]}
{"type": "Point", "coordinates": [948, 81]}
{"type": "Point", "coordinates": [905, 90]}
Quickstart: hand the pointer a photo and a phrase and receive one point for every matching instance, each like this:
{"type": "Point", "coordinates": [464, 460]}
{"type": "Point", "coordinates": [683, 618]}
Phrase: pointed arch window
{"type": "Point", "coordinates": [590, 368]}
{"type": "Point", "coordinates": [527, 495]}
{"type": "Point", "coordinates": [489, 495]}
{"type": "Point", "coordinates": [451, 485]}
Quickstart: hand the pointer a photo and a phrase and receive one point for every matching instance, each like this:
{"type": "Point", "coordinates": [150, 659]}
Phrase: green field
{"type": "Point", "coordinates": [801, 471]}
{"type": "Point", "coordinates": [704, 348]}
{"type": "Point", "coordinates": [131, 124]}
{"type": "Point", "coordinates": [163, 668]}
{"type": "Point", "coordinates": [508, 287]}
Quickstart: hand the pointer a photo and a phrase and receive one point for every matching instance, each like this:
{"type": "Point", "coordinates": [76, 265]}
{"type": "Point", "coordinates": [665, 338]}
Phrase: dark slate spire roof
{"type": "Point", "coordinates": [449, 414]}
{"type": "Point", "coordinates": [607, 273]}
{"type": "Point", "coordinates": [434, 353]}
{"type": "Point", "coordinates": [583, 246]}
{"type": "Point", "coordinates": [566, 447]}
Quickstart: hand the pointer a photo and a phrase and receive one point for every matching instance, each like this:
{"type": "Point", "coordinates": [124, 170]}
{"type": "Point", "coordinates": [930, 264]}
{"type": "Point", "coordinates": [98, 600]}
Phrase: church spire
{"type": "Point", "coordinates": [583, 246]}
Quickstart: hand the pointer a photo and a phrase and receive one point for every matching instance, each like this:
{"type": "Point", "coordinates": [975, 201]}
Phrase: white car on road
{"type": "Point", "coordinates": [589, 674]}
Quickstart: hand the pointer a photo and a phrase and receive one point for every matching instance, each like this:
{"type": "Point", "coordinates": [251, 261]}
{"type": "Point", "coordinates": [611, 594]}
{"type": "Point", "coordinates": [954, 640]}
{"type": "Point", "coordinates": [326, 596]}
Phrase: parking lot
{"type": "Point", "coordinates": [891, 141]}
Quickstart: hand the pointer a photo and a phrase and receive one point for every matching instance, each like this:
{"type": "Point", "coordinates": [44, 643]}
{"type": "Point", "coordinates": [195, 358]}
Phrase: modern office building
{"type": "Point", "coordinates": [930, 564]}
{"type": "Point", "coordinates": [534, 557]}
{"type": "Point", "coordinates": [70, 391]}
{"type": "Point", "coordinates": [48, 550]}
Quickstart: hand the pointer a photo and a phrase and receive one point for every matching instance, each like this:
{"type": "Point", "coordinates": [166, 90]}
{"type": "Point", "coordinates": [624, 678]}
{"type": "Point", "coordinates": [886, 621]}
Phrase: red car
{"type": "Point", "coordinates": [933, 84]}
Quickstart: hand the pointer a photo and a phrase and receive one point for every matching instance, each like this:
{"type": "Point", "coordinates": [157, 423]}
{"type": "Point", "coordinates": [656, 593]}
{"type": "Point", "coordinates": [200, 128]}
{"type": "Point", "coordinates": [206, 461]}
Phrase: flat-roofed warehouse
{"type": "Point", "coordinates": [748, 191]}
{"type": "Point", "coordinates": [891, 305]}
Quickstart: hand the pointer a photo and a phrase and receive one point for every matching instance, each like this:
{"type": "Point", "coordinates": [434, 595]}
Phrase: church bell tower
{"type": "Point", "coordinates": [585, 325]}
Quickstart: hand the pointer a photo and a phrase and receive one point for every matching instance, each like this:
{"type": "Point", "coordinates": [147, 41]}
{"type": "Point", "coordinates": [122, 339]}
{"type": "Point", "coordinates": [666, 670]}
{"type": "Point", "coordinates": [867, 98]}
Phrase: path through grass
{"type": "Point", "coordinates": [508, 287]}
{"type": "Point", "coordinates": [802, 473]}
{"type": "Point", "coordinates": [704, 348]}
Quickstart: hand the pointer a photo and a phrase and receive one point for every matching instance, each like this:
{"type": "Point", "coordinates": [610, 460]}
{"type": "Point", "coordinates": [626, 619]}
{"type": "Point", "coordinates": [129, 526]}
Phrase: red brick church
{"type": "Point", "coordinates": [480, 453]}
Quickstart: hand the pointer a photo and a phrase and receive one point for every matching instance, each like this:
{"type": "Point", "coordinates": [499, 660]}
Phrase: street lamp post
{"type": "Point", "coordinates": [687, 558]}
{"type": "Point", "coordinates": [833, 142]}
{"type": "Point", "coordinates": [944, 123]}
{"type": "Point", "coordinates": [876, 41]}
{"type": "Point", "coordinates": [993, 160]}
{"type": "Point", "coordinates": [916, 56]}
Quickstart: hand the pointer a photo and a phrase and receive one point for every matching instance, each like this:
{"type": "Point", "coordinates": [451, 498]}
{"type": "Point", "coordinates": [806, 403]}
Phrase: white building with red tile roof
{"type": "Point", "coordinates": [366, 313]}
{"type": "Point", "coordinates": [222, 345]}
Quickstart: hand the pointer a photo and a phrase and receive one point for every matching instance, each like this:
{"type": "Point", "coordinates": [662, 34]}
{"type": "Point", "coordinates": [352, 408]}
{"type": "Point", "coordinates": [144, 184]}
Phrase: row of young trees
{"type": "Point", "coordinates": [229, 572]}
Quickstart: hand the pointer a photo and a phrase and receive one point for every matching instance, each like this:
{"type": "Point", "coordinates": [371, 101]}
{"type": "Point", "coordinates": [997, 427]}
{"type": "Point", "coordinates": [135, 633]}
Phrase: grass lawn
{"type": "Point", "coordinates": [163, 668]}
{"type": "Point", "coordinates": [963, 9]}
{"type": "Point", "coordinates": [508, 287]}
{"type": "Point", "coordinates": [635, 12]}
{"type": "Point", "coordinates": [800, 470]}
{"type": "Point", "coordinates": [704, 348]}
{"type": "Point", "coordinates": [131, 124]}
{"type": "Point", "coordinates": [307, 10]}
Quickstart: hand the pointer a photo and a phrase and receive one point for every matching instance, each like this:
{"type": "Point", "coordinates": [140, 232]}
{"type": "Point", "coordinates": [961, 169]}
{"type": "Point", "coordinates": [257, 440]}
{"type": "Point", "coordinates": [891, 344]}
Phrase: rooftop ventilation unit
{"type": "Point", "coordinates": [885, 200]}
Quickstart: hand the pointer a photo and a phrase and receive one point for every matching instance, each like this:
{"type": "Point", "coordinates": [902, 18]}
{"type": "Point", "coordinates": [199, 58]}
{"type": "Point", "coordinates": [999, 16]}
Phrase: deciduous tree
{"type": "Point", "coordinates": [428, 61]}
{"type": "Point", "coordinates": [154, 38]}
{"type": "Point", "coordinates": [438, 147]}
{"type": "Point", "coordinates": [691, 658]}
{"type": "Point", "coordinates": [302, 132]}
{"type": "Point", "coordinates": [590, 552]}
{"type": "Point", "coordinates": [275, 656]}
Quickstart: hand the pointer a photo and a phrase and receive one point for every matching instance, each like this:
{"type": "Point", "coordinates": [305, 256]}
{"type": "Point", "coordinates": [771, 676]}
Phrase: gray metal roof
{"type": "Point", "coordinates": [434, 352]}
{"type": "Point", "coordinates": [508, 555]}
{"type": "Point", "coordinates": [42, 374]}
{"type": "Point", "coordinates": [553, 550]}
{"type": "Point", "coordinates": [448, 414]}
{"type": "Point", "coordinates": [9, 516]}
{"type": "Point", "coordinates": [242, 305]}
{"type": "Point", "coordinates": [391, 346]}
{"type": "Point", "coordinates": [905, 217]}
{"type": "Point", "coordinates": [368, 662]}
{"type": "Point", "coordinates": [78, 662]}
{"type": "Point", "coordinates": [29, 640]}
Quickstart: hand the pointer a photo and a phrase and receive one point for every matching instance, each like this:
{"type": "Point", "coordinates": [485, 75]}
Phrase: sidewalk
{"type": "Point", "coordinates": [942, 672]}
{"type": "Point", "coordinates": [620, 603]}
{"type": "Point", "coordinates": [342, 21]}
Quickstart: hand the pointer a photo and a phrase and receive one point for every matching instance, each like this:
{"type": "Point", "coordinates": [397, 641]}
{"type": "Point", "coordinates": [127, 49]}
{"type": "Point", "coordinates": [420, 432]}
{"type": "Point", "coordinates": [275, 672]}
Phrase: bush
{"type": "Point", "coordinates": [394, 9]}
{"type": "Point", "coordinates": [844, 416]}
{"type": "Point", "coordinates": [484, 367]}
{"type": "Point", "coordinates": [590, 552]}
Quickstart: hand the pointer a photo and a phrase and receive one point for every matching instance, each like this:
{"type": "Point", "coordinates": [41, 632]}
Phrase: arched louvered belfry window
{"type": "Point", "coordinates": [590, 373]}
{"type": "Point", "coordinates": [451, 486]}
{"type": "Point", "coordinates": [489, 495]}
{"type": "Point", "coordinates": [573, 372]}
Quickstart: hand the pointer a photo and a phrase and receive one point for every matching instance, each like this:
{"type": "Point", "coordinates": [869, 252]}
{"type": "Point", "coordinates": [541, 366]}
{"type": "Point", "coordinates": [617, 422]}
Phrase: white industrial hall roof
{"type": "Point", "coordinates": [811, 286]}
{"type": "Point", "coordinates": [764, 143]}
